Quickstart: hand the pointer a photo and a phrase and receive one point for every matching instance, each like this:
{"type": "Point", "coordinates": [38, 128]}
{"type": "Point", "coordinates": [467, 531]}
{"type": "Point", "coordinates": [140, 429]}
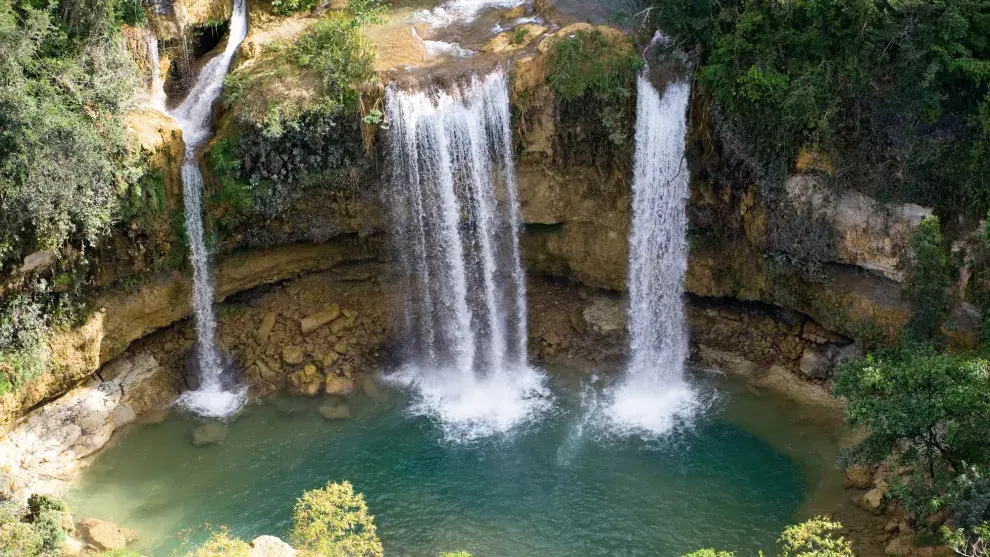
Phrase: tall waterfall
{"type": "Point", "coordinates": [654, 394]}
{"type": "Point", "coordinates": [457, 216]}
{"type": "Point", "coordinates": [211, 398]}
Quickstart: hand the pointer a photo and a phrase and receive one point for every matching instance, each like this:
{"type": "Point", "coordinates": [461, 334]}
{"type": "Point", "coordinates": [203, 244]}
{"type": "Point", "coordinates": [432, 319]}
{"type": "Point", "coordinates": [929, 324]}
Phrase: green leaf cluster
{"type": "Point", "coordinates": [895, 93]}
{"type": "Point", "coordinates": [34, 530]}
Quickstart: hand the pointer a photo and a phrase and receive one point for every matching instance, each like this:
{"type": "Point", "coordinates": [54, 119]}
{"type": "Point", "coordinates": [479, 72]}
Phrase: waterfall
{"type": "Point", "coordinates": [211, 398]}
{"type": "Point", "coordinates": [654, 394]}
{"type": "Point", "coordinates": [157, 85]}
{"type": "Point", "coordinates": [457, 218]}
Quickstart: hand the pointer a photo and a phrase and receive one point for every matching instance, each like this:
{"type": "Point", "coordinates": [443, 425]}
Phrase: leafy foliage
{"type": "Point", "coordinates": [286, 7]}
{"type": "Point", "coordinates": [65, 81]}
{"type": "Point", "coordinates": [34, 530]}
{"type": "Point", "coordinates": [334, 521]}
{"type": "Point", "coordinates": [974, 542]}
{"type": "Point", "coordinates": [929, 283]}
{"type": "Point", "coordinates": [222, 544]}
{"type": "Point", "coordinates": [894, 93]}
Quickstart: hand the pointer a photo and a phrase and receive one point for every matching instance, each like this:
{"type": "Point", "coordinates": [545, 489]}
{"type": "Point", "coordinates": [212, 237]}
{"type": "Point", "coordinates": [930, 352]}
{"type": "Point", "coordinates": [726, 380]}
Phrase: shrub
{"type": "Point", "coordinates": [334, 521]}
{"type": "Point", "coordinates": [34, 530]}
{"type": "Point", "coordinates": [222, 544]}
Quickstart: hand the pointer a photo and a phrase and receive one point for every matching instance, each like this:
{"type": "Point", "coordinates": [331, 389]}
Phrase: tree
{"type": "Point", "coordinates": [929, 283]}
{"type": "Point", "coordinates": [934, 405]}
{"type": "Point", "coordinates": [334, 521]}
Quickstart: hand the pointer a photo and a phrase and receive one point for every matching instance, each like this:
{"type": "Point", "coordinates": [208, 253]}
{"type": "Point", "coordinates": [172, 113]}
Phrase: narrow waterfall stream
{"type": "Point", "coordinates": [212, 398]}
{"type": "Point", "coordinates": [457, 222]}
{"type": "Point", "coordinates": [157, 85]}
{"type": "Point", "coordinates": [654, 395]}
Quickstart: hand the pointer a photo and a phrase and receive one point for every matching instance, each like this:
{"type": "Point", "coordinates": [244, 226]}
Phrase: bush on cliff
{"type": "Point", "coordinates": [895, 94]}
{"type": "Point", "coordinates": [929, 282]}
{"type": "Point", "coordinates": [65, 83]}
{"type": "Point", "coordinates": [594, 75]}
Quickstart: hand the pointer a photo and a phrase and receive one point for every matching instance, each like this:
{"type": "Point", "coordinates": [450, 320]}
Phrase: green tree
{"type": "Point", "coordinates": [925, 409]}
{"type": "Point", "coordinates": [334, 521]}
{"type": "Point", "coordinates": [929, 282]}
{"type": "Point", "coordinates": [812, 538]}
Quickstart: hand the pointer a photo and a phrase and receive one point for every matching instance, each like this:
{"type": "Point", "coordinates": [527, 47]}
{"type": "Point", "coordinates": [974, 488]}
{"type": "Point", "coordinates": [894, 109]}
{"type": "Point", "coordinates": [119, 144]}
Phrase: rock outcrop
{"type": "Point", "coordinates": [46, 449]}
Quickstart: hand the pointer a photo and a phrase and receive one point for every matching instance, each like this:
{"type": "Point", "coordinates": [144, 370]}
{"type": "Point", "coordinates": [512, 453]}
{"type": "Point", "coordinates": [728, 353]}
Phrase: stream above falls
{"type": "Point", "coordinates": [559, 486]}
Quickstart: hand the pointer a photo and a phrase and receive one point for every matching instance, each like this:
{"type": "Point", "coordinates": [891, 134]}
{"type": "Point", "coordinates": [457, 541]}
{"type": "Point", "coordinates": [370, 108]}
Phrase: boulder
{"type": "Point", "coordinates": [845, 354]}
{"type": "Point", "coordinates": [859, 477]}
{"type": "Point", "coordinates": [292, 355]}
{"type": "Point", "coordinates": [209, 433]}
{"type": "Point", "coordinates": [265, 329]}
{"type": "Point", "coordinates": [901, 546]}
{"type": "Point", "coordinates": [814, 364]}
{"type": "Point", "coordinates": [306, 382]}
{"type": "Point", "coordinates": [314, 321]}
{"type": "Point", "coordinates": [370, 389]}
{"type": "Point", "coordinates": [72, 546]}
{"type": "Point", "coordinates": [339, 386]}
{"type": "Point", "coordinates": [104, 536]}
{"type": "Point", "coordinates": [873, 499]}
{"type": "Point", "coordinates": [270, 546]}
{"type": "Point", "coordinates": [335, 411]}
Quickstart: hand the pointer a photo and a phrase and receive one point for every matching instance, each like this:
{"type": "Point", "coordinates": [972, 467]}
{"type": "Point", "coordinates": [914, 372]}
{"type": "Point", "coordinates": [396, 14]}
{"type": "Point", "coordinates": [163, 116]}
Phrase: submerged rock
{"type": "Point", "coordinates": [104, 536]}
{"type": "Point", "coordinates": [270, 546]}
{"type": "Point", "coordinates": [859, 477]}
{"type": "Point", "coordinates": [306, 382]}
{"type": "Point", "coordinates": [209, 433]}
{"type": "Point", "coordinates": [335, 411]}
{"type": "Point", "coordinates": [339, 386]}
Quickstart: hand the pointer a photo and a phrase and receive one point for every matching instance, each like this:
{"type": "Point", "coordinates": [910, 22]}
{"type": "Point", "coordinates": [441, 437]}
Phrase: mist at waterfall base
{"type": "Point", "coordinates": [214, 397]}
{"type": "Point", "coordinates": [654, 396]}
{"type": "Point", "coordinates": [546, 491]}
{"type": "Point", "coordinates": [456, 224]}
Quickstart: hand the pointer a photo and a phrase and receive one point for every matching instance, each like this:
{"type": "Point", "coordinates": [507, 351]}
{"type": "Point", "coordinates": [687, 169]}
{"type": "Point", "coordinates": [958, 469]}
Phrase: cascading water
{"type": "Point", "coordinates": [157, 85]}
{"type": "Point", "coordinates": [453, 181]}
{"type": "Point", "coordinates": [212, 398]}
{"type": "Point", "coordinates": [654, 394]}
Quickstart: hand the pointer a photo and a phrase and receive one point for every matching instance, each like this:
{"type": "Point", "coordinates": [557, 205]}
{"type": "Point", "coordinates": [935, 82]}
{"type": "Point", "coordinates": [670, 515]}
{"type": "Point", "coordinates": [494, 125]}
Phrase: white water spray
{"type": "Point", "coordinates": [454, 176]}
{"type": "Point", "coordinates": [654, 395]}
{"type": "Point", "coordinates": [211, 398]}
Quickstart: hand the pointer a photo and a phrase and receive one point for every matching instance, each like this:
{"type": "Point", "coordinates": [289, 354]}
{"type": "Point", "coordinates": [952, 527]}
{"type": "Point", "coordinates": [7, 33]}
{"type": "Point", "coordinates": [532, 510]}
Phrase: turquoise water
{"type": "Point", "coordinates": [556, 488]}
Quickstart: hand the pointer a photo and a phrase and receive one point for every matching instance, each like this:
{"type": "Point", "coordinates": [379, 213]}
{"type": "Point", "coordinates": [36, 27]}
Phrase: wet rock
{"type": "Point", "coordinates": [270, 546]}
{"type": "Point", "coordinates": [208, 434]}
{"type": "Point", "coordinates": [814, 364]}
{"type": "Point", "coordinates": [339, 386]}
{"type": "Point", "coordinates": [306, 382]}
{"type": "Point", "coordinates": [265, 329]}
{"type": "Point", "coordinates": [314, 321]}
{"type": "Point", "coordinates": [335, 411]}
{"type": "Point", "coordinates": [859, 477]}
{"type": "Point", "coordinates": [369, 388]}
{"type": "Point", "coordinates": [292, 355]}
{"type": "Point", "coordinates": [104, 536]}
{"type": "Point", "coordinates": [519, 37]}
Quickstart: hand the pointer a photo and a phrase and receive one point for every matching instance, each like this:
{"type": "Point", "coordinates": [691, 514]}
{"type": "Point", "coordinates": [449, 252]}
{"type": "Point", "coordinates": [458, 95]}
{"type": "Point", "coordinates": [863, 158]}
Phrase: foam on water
{"type": "Point", "coordinates": [469, 406]}
{"type": "Point", "coordinates": [212, 398]}
{"type": "Point", "coordinates": [442, 48]}
{"type": "Point", "coordinates": [461, 11]}
{"type": "Point", "coordinates": [654, 396]}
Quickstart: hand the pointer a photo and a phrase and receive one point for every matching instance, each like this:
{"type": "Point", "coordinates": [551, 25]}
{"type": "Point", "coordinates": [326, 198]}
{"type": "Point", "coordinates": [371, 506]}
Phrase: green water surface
{"type": "Point", "coordinates": [555, 488]}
